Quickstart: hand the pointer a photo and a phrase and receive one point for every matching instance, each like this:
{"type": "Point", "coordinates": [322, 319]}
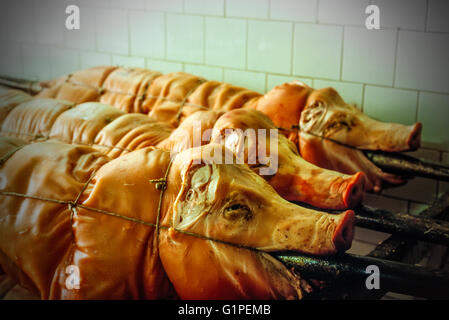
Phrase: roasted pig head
{"type": "Point", "coordinates": [292, 177]}
{"type": "Point", "coordinates": [333, 134]}
{"type": "Point", "coordinates": [225, 219]}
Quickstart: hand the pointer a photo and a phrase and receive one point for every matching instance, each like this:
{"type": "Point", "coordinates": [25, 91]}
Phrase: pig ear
{"type": "Point", "coordinates": [243, 146]}
{"type": "Point", "coordinates": [312, 115]}
{"type": "Point", "coordinates": [196, 196]}
{"type": "Point", "coordinates": [299, 83]}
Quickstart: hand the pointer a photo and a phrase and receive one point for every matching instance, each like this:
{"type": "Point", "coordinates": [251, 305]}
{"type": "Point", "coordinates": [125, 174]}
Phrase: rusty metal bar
{"type": "Point", "coordinates": [419, 228]}
{"type": "Point", "coordinates": [415, 227]}
{"type": "Point", "coordinates": [402, 164]}
{"type": "Point", "coordinates": [397, 248]}
{"type": "Point", "coordinates": [352, 269]}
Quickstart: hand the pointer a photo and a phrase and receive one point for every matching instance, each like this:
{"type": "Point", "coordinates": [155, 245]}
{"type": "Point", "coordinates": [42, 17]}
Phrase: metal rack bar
{"type": "Point", "coordinates": [394, 276]}
{"type": "Point", "coordinates": [402, 164]}
{"type": "Point", "coordinates": [419, 228]}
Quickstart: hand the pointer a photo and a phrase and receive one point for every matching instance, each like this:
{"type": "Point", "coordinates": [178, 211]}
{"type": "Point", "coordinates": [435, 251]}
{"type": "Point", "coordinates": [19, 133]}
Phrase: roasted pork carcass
{"type": "Point", "coordinates": [115, 133]}
{"type": "Point", "coordinates": [327, 131]}
{"type": "Point", "coordinates": [333, 134]}
{"type": "Point", "coordinates": [68, 206]}
{"type": "Point", "coordinates": [291, 176]}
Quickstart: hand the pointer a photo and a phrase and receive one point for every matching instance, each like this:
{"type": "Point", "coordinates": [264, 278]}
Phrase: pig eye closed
{"type": "Point", "coordinates": [237, 211]}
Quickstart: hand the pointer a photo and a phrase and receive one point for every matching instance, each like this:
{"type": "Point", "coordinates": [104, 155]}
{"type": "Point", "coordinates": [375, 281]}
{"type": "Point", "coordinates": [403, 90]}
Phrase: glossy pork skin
{"type": "Point", "coordinates": [228, 203]}
{"type": "Point", "coordinates": [115, 133]}
{"type": "Point", "coordinates": [101, 126]}
{"type": "Point", "coordinates": [333, 134]}
{"type": "Point", "coordinates": [293, 178]}
{"type": "Point", "coordinates": [173, 97]}
{"type": "Point", "coordinates": [233, 204]}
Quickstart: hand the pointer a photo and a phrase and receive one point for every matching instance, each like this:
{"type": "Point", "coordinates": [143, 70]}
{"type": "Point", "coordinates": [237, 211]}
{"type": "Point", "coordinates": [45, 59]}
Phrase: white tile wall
{"type": "Point", "coordinates": [392, 105]}
{"type": "Point", "coordinates": [404, 14]}
{"type": "Point", "coordinates": [63, 61]}
{"type": "Point", "coordinates": [226, 42]}
{"type": "Point", "coordinates": [317, 51]}
{"type": "Point", "coordinates": [83, 38]}
{"type": "Point", "coordinates": [437, 16]}
{"type": "Point", "coordinates": [210, 73]}
{"type": "Point", "coordinates": [185, 38]}
{"type": "Point", "coordinates": [343, 12]}
{"type": "Point", "coordinates": [128, 4]}
{"type": "Point", "coordinates": [163, 66]}
{"type": "Point", "coordinates": [21, 15]}
{"type": "Point", "coordinates": [369, 55]}
{"type": "Point", "coordinates": [399, 73]}
{"type": "Point", "coordinates": [50, 17]}
{"type": "Point", "coordinates": [112, 31]}
{"type": "Point", "coordinates": [166, 5]}
{"type": "Point", "coordinates": [251, 80]}
{"type": "Point", "coordinates": [147, 34]}
{"type": "Point", "coordinates": [92, 59]}
{"type": "Point", "coordinates": [274, 80]}
{"type": "Point", "coordinates": [270, 46]}
{"type": "Point", "coordinates": [206, 7]}
{"type": "Point", "coordinates": [294, 10]}
{"type": "Point", "coordinates": [247, 8]}
{"type": "Point", "coordinates": [36, 61]}
{"type": "Point", "coordinates": [435, 128]}
{"type": "Point", "coordinates": [11, 60]}
{"type": "Point", "coordinates": [350, 92]}
{"type": "Point", "coordinates": [124, 61]}
{"type": "Point", "coordinates": [422, 61]}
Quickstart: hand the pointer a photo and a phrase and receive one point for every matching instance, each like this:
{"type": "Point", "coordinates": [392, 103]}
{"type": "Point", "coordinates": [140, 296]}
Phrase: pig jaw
{"type": "Point", "coordinates": [302, 181]}
{"type": "Point", "coordinates": [392, 137]}
{"type": "Point", "coordinates": [317, 233]}
{"type": "Point", "coordinates": [327, 154]}
{"type": "Point", "coordinates": [200, 269]}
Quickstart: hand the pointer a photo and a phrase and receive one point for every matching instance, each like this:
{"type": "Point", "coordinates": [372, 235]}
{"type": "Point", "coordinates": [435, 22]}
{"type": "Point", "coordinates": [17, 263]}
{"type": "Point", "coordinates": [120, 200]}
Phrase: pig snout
{"type": "Point", "coordinates": [414, 138]}
{"type": "Point", "coordinates": [353, 190]}
{"type": "Point", "coordinates": [316, 233]}
{"type": "Point", "coordinates": [344, 231]}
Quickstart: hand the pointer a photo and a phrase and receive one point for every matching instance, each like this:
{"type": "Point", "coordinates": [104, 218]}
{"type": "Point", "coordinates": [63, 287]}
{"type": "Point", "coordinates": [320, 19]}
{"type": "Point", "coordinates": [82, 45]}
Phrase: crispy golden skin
{"type": "Point", "coordinates": [118, 258]}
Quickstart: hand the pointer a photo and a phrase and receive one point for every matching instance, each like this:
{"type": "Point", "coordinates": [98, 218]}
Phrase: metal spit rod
{"type": "Point", "coordinates": [402, 164]}
{"type": "Point", "coordinates": [351, 270]}
{"type": "Point", "coordinates": [418, 228]}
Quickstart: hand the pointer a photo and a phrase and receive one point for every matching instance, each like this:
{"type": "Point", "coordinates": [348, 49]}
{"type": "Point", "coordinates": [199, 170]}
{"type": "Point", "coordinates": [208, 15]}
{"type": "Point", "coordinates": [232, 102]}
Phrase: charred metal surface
{"type": "Point", "coordinates": [396, 248]}
{"type": "Point", "coordinates": [401, 164]}
{"type": "Point", "coordinates": [419, 228]}
{"type": "Point", "coordinates": [394, 276]}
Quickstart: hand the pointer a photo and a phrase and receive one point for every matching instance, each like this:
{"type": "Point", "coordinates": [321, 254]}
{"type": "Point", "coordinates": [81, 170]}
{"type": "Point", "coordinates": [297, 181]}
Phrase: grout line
{"type": "Point", "coordinates": [128, 23]}
{"type": "Point", "coordinates": [426, 17]}
{"type": "Point", "coordinates": [417, 106]}
{"type": "Point", "coordinates": [342, 52]}
{"type": "Point", "coordinates": [269, 10]}
{"type": "Point", "coordinates": [396, 53]}
{"type": "Point", "coordinates": [246, 44]}
{"type": "Point", "coordinates": [362, 106]}
{"type": "Point", "coordinates": [204, 40]}
{"type": "Point", "coordinates": [165, 35]}
{"type": "Point", "coordinates": [292, 51]}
